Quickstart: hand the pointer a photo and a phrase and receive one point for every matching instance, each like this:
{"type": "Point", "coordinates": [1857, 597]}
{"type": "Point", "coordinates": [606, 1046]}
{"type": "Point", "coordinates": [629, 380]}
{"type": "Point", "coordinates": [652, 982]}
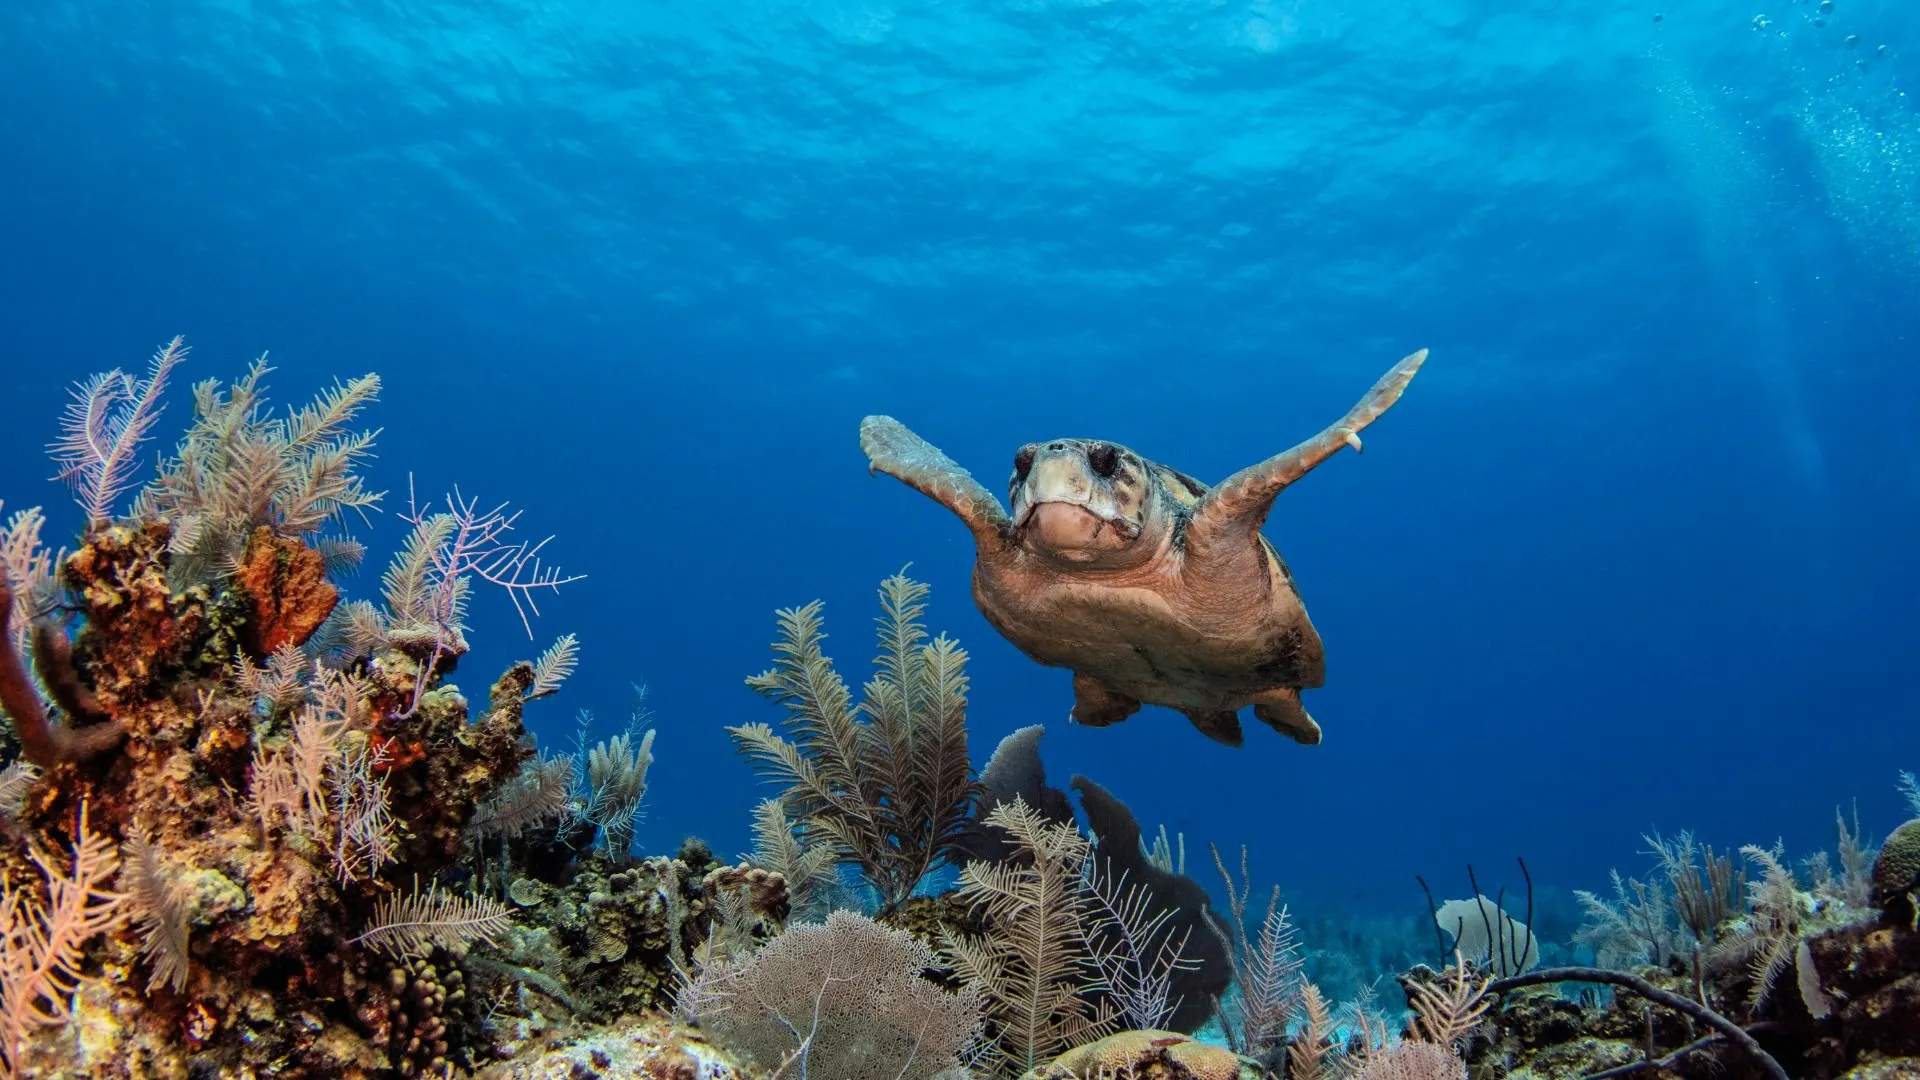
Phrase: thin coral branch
{"type": "Point", "coordinates": [542, 793]}
{"type": "Point", "coordinates": [1267, 971]}
{"type": "Point", "coordinates": [885, 781]}
{"type": "Point", "coordinates": [554, 666]}
{"type": "Point", "coordinates": [428, 586]}
{"type": "Point", "coordinates": [1910, 788]}
{"type": "Point", "coordinates": [108, 419]}
{"type": "Point", "coordinates": [29, 566]}
{"type": "Point", "coordinates": [15, 781]}
{"type": "Point", "coordinates": [1129, 939]}
{"type": "Point", "coordinates": [1687, 1006]}
{"type": "Point", "coordinates": [1445, 1015]}
{"type": "Point", "coordinates": [413, 924]}
{"type": "Point", "coordinates": [1308, 1051]}
{"type": "Point", "coordinates": [479, 548]}
{"type": "Point", "coordinates": [160, 900]}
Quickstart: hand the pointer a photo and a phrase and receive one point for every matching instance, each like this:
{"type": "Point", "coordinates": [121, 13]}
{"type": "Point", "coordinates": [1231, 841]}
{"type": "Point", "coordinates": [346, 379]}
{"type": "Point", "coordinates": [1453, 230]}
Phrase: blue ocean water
{"type": "Point", "coordinates": [1636, 550]}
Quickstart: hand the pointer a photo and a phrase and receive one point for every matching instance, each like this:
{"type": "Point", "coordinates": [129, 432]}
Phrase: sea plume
{"type": "Point", "coordinates": [109, 417]}
{"type": "Point", "coordinates": [41, 943]}
{"type": "Point", "coordinates": [410, 925]}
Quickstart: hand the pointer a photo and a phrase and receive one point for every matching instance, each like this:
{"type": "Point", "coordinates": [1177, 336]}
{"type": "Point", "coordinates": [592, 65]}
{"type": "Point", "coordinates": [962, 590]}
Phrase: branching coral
{"type": "Point", "coordinates": [27, 567]}
{"type": "Point", "coordinates": [887, 781]}
{"type": "Point", "coordinates": [110, 416]}
{"type": "Point", "coordinates": [428, 585]}
{"type": "Point", "coordinates": [541, 795]}
{"type": "Point", "coordinates": [1266, 967]}
{"type": "Point", "coordinates": [807, 867]}
{"type": "Point", "coordinates": [1044, 989]}
{"type": "Point", "coordinates": [411, 925]}
{"type": "Point", "coordinates": [1707, 887]}
{"type": "Point", "coordinates": [616, 782]}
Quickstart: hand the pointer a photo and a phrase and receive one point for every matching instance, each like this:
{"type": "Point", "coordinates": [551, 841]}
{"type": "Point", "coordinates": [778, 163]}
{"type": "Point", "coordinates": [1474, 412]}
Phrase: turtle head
{"type": "Point", "coordinates": [1084, 501]}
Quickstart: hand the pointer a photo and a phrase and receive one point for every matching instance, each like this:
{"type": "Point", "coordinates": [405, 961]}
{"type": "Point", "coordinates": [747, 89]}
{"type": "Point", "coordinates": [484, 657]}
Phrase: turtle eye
{"type": "Point", "coordinates": [1022, 462]}
{"type": "Point", "coordinates": [1104, 459]}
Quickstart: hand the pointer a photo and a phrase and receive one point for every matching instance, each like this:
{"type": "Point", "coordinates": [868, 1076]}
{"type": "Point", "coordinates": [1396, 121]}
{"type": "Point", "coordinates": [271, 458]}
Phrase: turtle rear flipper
{"type": "Point", "coordinates": [1220, 725]}
{"type": "Point", "coordinates": [893, 449]}
{"type": "Point", "coordinates": [1241, 502]}
{"type": "Point", "coordinates": [1095, 704]}
{"type": "Point", "coordinates": [1281, 710]}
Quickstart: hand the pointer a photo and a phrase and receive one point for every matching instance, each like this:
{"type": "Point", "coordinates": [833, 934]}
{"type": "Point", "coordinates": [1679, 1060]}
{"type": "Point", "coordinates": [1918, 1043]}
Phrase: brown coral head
{"type": "Point", "coordinates": [765, 891]}
{"type": "Point", "coordinates": [1896, 872]}
{"type": "Point", "coordinates": [1146, 1053]}
{"type": "Point", "coordinates": [287, 581]}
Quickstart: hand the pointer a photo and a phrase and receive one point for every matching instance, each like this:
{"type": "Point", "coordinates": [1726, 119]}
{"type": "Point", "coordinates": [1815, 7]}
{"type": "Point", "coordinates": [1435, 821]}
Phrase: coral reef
{"type": "Point", "coordinates": [1800, 978]}
{"type": "Point", "coordinates": [633, 1048]}
{"type": "Point", "coordinates": [619, 936]}
{"type": "Point", "coordinates": [254, 829]}
{"type": "Point", "coordinates": [260, 921]}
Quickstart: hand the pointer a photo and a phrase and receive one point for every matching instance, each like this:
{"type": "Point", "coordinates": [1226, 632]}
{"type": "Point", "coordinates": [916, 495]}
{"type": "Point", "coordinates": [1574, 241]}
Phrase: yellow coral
{"type": "Point", "coordinates": [1145, 1055]}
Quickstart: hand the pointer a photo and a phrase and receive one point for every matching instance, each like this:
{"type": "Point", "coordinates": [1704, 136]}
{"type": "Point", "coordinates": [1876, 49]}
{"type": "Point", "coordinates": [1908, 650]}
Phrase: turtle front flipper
{"type": "Point", "coordinates": [893, 449]}
{"type": "Point", "coordinates": [1281, 710]}
{"type": "Point", "coordinates": [1240, 504]}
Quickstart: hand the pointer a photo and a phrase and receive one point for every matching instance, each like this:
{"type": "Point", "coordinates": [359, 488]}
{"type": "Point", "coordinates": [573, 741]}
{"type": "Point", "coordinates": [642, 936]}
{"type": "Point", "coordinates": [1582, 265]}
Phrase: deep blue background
{"type": "Point", "coordinates": [1637, 548]}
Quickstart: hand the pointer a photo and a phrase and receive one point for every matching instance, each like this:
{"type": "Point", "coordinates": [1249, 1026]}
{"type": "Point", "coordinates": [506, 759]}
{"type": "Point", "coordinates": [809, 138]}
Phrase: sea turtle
{"type": "Point", "coordinates": [1147, 584]}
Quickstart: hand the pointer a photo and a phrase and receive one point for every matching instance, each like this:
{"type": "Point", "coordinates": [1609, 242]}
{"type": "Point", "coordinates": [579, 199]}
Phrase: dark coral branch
{"type": "Point", "coordinates": [41, 742]}
{"type": "Point", "coordinates": [1727, 1028]}
{"type": "Point", "coordinates": [1669, 1060]}
{"type": "Point", "coordinates": [53, 661]}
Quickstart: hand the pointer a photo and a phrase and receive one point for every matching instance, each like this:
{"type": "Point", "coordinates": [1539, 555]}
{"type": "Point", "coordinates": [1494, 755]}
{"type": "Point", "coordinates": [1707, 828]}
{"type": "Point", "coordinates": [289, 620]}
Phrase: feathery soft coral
{"type": "Point", "coordinates": [107, 420]}
{"type": "Point", "coordinates": [41, 943]}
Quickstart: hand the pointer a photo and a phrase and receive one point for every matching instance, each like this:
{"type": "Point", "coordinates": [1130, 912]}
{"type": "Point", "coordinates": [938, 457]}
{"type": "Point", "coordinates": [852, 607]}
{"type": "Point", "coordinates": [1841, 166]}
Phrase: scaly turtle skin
{"type": "Point", "coordinates": [1151, 587]}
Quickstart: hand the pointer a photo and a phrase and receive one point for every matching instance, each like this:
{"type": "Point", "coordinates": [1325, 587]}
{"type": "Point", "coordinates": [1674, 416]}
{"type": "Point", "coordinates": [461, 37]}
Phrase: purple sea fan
{"type": "Point", "coordinates": [107, 420]}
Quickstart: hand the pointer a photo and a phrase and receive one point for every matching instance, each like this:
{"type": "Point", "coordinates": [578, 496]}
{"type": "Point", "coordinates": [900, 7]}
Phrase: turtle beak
{"type": "Point", "coordinates": [1061, 510]}
{"type": "Point", "coordinates": [1065, 506]}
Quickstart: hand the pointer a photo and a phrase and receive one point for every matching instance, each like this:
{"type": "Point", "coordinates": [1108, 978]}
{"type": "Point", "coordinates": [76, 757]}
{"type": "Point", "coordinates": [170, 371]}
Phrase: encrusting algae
{"type": "Point", "coordinates": [251, 829]}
